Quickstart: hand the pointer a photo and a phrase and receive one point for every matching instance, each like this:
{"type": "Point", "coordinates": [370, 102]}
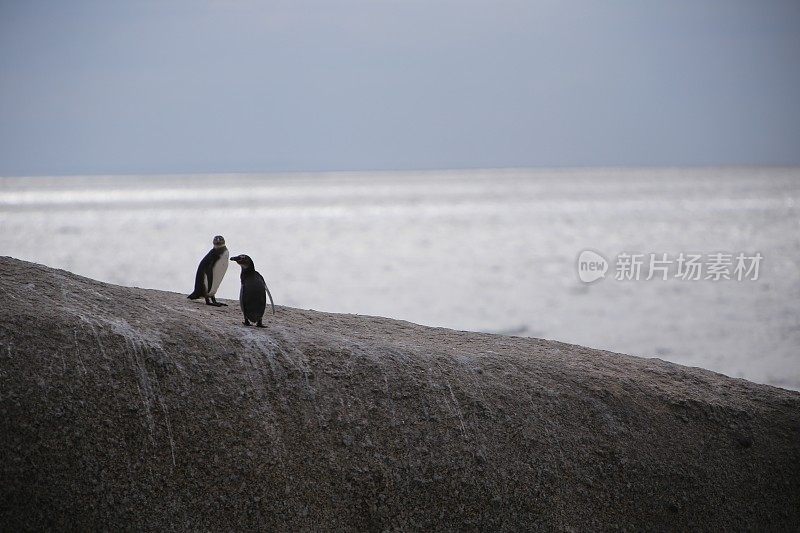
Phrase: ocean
{"type": "Point", "coordinates": [479, 250]}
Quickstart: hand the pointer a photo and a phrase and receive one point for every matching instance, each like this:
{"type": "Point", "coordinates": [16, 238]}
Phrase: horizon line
{"type": "Point", "coordinates": [552, 168]}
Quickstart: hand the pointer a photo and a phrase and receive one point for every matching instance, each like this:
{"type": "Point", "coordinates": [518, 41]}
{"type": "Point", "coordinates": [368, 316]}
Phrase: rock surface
{"type": "Point", "coordinates": [127, 408]}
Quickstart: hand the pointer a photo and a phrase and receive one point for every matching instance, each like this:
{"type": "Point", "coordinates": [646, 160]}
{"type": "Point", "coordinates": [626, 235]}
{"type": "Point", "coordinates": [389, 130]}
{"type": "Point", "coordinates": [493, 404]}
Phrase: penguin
{"type": "Point", "coordinates": [210, 272]}
{"type": "Point", "coordinates": [252, 299]}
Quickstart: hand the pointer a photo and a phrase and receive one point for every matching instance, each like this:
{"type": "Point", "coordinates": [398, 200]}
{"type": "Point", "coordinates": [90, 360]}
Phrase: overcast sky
{"type": "Point", "coordinates": [226, 86]}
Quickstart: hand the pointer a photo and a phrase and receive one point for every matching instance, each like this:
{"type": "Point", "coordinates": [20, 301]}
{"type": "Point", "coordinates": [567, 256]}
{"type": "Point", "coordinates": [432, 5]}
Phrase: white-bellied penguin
{"type": "Point", "coordinates": [252, 297]}
{"type": "Point", "coordinates": [210, 272]}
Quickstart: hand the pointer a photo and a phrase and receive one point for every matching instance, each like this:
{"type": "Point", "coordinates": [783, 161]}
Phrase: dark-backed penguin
{"type": "Point", "coordinates": [210, 272]}
{"type": "Point", "coordinates": [252, 297]}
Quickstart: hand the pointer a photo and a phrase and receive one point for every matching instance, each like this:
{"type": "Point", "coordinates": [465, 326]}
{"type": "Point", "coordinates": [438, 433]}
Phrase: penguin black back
{"type": "Point", "coordinates": [253, 293]}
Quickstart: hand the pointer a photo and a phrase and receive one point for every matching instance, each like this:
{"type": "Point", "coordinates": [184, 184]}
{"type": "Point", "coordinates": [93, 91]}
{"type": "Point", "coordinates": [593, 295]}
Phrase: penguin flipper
{"type": "Point", "coordinates": [209, 277]}
{"type": "Point", "coordinates": [264, 283]}
{"type": "Point", "coordinates": [270, 298]}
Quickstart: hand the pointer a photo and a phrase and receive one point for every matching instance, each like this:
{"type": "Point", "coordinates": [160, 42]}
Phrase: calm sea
{"type": "Point", "coordinates": [492, 250]}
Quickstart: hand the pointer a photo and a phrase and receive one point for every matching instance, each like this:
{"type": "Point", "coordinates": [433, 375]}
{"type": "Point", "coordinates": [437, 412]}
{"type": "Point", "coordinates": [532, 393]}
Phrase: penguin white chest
{"type": "Point", "coordinates": [220, 267]}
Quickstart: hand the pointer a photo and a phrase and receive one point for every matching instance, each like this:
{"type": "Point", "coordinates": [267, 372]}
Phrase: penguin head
{"type": "Point", "coordinates": [243, 260]}
{"type": "Point", "coordinates": [219, 241]}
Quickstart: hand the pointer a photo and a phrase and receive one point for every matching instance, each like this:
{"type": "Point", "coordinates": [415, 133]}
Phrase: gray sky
{"type": "Point", "coordinates": [163, 87]}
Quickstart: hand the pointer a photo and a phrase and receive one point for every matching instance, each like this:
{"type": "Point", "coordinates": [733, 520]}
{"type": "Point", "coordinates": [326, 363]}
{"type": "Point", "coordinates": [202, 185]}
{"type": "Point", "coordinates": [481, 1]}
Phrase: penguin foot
{"type": "Point", "coordinates": [246, 323]}
{"type": "Point", "coordinates": [260, 325]}
{"type": "Point", "coordinates": [215, 303]}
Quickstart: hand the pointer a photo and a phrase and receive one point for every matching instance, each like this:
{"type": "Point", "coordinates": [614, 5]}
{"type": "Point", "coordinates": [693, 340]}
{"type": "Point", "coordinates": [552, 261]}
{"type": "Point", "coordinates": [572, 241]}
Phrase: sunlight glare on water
{"type": "Point", "coordinates": [491, 250]}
